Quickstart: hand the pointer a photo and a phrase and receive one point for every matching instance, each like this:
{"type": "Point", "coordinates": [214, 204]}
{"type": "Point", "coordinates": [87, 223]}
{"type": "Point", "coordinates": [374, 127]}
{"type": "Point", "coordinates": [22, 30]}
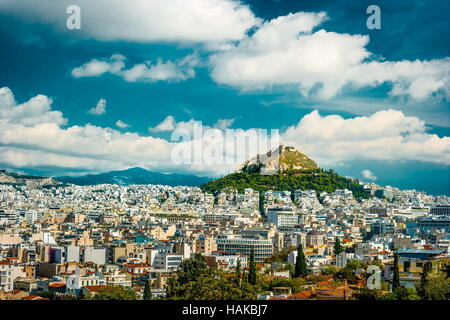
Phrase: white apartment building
{"type": "Point", "coordinates": [95, 255]}
{"type": "Point", "coordinates": [6, 276]}
{"type": "Point", "coordinates": [282, 218]}
{"type": "Point", "coordinates": [164, 260]}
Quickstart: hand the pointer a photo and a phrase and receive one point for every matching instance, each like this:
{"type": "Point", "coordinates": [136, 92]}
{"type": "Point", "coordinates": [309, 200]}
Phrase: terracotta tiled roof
{"type": "Point", "coordinates": [32, 297]}
{"type": "Point", "coordinates": [15, 291]}
{"type": "Point", "coordinates": [136, 265]}
{"type": "Point", "coordinates": [338, 292]}
{"type": "Point", "coordinates": [303, 295]}
{"type": "Point", "coordinates": [95, 288]}
{"type": "Point", "coordinates": [324, 283]}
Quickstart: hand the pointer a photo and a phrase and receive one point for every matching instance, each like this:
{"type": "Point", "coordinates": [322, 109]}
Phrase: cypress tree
{"type": "Point", "coordinates": [147, 291]}
{"type": "Point", "coordinates": [261, 204]}
{"type": "Point", "coordinates": [252, 271]}
{"type": "Point", "coordinates": [338, 247]}
{"type": "Point", "coordinates": [422, 287]}
{"type": "Point", "coordinates": [300, 263]}
{"type": "Point", "coordinates": [238, 272]}
{"type": "Point", "coordinates": [396, 278]}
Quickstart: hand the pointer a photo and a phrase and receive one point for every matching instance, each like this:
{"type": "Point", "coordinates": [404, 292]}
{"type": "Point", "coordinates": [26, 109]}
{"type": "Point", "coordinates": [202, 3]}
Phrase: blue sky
{"type": "Point", "coordinates": [231, 68]}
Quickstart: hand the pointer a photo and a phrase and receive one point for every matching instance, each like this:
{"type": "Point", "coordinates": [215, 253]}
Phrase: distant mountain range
{"type": "Point", "coordinates": [283, 168]}
{"type": "Point", "coordinates": [135, 176]}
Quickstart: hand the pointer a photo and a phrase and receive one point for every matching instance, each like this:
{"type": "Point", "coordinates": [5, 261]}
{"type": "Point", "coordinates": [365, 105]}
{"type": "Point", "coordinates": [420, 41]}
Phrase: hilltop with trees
{"type": "Point", "coordinates": [295, 171]}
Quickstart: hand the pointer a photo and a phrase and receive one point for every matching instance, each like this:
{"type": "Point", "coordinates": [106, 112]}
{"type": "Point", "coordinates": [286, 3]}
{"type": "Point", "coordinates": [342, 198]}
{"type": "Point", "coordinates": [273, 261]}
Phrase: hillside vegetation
{"type": "Point", "coordinates": [316, 179]}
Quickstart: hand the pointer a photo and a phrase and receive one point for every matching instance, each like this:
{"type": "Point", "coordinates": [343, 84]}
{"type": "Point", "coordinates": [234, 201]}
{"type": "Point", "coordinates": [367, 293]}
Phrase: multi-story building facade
{"type": "Point", "coordinates": [262, 248]}
{"type": "Point", "coordinates": [6, 276]}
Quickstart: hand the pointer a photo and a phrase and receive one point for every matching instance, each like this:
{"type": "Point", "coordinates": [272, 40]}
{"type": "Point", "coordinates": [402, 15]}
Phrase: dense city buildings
{"type": "Point", "coordinates": [74, 240]}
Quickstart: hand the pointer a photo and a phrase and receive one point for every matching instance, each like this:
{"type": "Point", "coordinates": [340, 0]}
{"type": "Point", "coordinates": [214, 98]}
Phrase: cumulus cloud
{"type": "Point", "coordinates": [41, 141]}
{"type": "Point", "coordinates": [367, 174]}
{"type": "Point", "coordinates": [385, 135]}
{"type": "Point", "coordinates": [122, 124]}
{"type": "Point", "coordinates": [144, 20]}
{"type": "Point", "coordinates": [179, 70]}
{"type": "Point", "coordinates": [287, 51]}
{"type": "Point", "coordinates": [223, 124]}
{"type": "Point", "coordinates": [168, 124]}
{"type": "Point", "coordinates": [35, 111]}
{"type": "Point", "coordinates": [99, 109]}
{"type": "Point", "coordinates": [96, 67]}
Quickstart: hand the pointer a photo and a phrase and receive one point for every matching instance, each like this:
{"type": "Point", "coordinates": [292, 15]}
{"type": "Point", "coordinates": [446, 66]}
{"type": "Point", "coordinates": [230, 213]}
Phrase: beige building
{"type": "Point", "coordinates": [315, 238]}
{"type": "Point", "coordinates": [205, 245]}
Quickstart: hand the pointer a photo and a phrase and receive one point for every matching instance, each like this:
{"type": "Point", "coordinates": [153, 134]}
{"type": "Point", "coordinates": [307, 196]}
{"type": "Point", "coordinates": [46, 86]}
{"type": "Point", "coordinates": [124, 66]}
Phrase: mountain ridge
{"type": "Point", "coordinates": [135, 175]}
{"type": "Point", "coordinates": [28, 180]}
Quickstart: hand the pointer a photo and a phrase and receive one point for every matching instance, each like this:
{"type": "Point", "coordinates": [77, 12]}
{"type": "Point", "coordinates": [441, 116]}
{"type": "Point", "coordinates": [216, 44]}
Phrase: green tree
{"type": "Point", "coordinates": [446, 270]}
{"type": "Point", "coordinates": [355, 265]}
{"type": "Point", "coordinates": [330, 270]}
{"type": "Point", "coordinates": [280, 256]}
{"type": "Point", "coordinates": [261, 204]}
{"type": "Point", "coordinates": [147, 290]}
{"type": "Point", "coordinates": [338, 248]}
{"type": "Point", "coordinates": [212, 285]}
{"type": "Point", "coordinates": [115, 293]}
{"type": "Point", "coordinates": [421, 286]}
{"type": "Point", "coordinates": [192, 268]}
{"type": "Point", "coordinates": [300, 263]}
{"type": "Point", "coordinates": [401, 293]}
{"type": "Point", "coordinates": [252, 270]}
{"type": "Point", "coordinates": [237, 273]}
{"type": "Point", "coordinates": [346, 274]}
{"type": "Point", "coordinates": [290, 267]}
{"type": "Point", "coordinates": [84, 296]}
{"type": "Point", "coordinates": [188, 271]}
{"type": "Point", "coordinates": [368, 294]}
{"type": "Point", "coordinates": [317, 179]}
{"type": "Point", "coordinates": [267, 283]}
{"type": "Point", "coordinates": [396, 277]}
{"type": "Point", "coordinates": [438, 287]}
{"type": "Point", "coordinates": [378, 263]}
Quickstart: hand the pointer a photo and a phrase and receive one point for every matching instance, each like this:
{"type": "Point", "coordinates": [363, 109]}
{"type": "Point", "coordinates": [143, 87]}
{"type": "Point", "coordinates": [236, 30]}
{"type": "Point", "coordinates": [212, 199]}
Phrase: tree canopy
{"type": "Point", "coordinates": [115, 293]}
{"type": "Point", "coordinates": [316, 179]}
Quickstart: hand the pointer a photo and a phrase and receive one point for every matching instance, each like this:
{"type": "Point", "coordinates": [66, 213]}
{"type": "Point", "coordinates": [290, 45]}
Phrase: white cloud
{"type": "Point", "coordinates": [179, 70]}
{"type": "Point", "coordinates": [34, 111]}
{"type": "Point", "coordinates": [96, 67]}
{"type": "Point", "coordinates": [122, 124]}
{"type": "Point", "coordinates": [367, 174]}
{"type": "Point", "coordinates": [385, 135]}
{"type": "Point", "coordinates": [99, 109]}
{"type": "Point", "coordinates": [286, 51]}
{"type": "Point", "coordinates": [223, 124]}
{"type": "Point", "coordinates": [41, 141]}
{"type": "Point", "coordinates": [168, 124]}
{"type": "Point", "coordinates": [144, 20]}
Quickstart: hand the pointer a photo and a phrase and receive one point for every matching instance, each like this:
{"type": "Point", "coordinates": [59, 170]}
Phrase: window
{"type": "Point", "coordinates": [406, 266]}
